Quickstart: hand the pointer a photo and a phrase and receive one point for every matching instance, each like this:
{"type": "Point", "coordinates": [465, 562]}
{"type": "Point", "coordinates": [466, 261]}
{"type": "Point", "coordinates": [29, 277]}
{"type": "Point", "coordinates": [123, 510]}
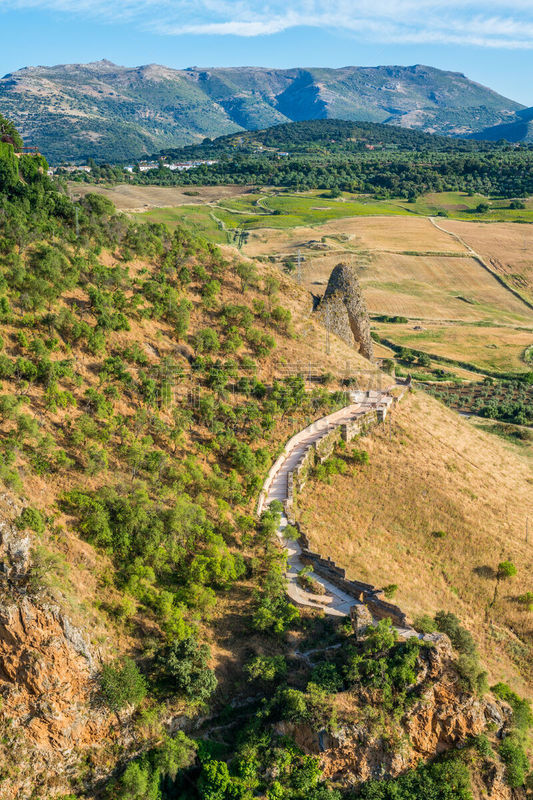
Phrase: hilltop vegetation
{"type": "Point", "coordinates": [113, 113]}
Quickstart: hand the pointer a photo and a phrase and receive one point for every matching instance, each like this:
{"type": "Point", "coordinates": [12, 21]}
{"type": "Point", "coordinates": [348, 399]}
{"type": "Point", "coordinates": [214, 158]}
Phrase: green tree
{"type": "Point", "coordinates": [183, 667]}
{"type": "Point", "coordinates": [214, 780]}
{"type": "Point", "coordinates": [9, 133]}
{"type": "Point", "coordinates": [247, 272]}
{"type": "Point", "coordinates": [122, 684]}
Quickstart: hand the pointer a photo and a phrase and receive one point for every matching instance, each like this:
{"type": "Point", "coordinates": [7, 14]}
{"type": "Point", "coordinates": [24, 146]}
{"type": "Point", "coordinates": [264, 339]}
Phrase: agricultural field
{"type": "Point", "coordinates": [507, 247]}
{"type": "Point", "coordinates": [460, 205]}
{"type": "Point", "coordinates": [252, 208]}
{"type": "Point", "coordinates": [129, 197]}
{"type": "Point", "coordinates": [496, 349]}
{"type": "Point", "coordinates": [507, 401]}
{"type": "Point", "coordinates": [409, 266]}
{"type": "Point", "coordinates": [356, 235]}
{"type": "Point", "coordinates": [425, 286]}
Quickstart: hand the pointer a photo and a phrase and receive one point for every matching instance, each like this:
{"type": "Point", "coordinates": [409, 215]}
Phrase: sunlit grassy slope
{"type": "Point", "coordinates": [440, 504]}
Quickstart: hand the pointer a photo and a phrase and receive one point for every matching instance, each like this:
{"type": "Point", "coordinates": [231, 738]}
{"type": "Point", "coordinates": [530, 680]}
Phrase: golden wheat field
{"type": "Point", "coordinates": [507, 246]}
{"type": "Point", "coordinates": [423, 287]}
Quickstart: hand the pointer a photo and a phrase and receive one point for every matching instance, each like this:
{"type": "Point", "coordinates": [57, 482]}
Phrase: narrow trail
{"type": "Point", "coordinates": [334, 602]}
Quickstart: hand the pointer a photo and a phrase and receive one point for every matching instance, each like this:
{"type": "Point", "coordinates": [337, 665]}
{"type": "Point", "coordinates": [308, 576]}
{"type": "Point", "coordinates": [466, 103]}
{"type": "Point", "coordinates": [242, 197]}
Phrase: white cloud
{"type": "Point", "coordinates": [491, 23]}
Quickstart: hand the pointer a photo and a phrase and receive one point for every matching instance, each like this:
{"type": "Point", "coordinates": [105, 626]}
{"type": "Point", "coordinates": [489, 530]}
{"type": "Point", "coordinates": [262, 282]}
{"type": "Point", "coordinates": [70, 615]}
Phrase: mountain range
{"type": "Point", "coordinates": [518, 130]}
{"type": "Point", "coordinates": [115, 113]}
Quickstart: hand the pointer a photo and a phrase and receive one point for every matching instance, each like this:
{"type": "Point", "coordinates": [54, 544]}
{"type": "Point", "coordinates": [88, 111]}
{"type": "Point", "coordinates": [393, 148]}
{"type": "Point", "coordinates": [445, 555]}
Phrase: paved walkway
{"type": "Point", "coordinates": [334, 602]}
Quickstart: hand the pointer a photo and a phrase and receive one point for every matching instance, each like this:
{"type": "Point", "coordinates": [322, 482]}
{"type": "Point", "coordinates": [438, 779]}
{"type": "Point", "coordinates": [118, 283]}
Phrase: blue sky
{"type": "Point", "coordinates": [490, 41]}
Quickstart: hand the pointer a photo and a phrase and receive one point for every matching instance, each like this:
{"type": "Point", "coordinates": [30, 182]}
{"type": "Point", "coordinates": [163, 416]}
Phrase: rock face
{"type": "Point", "coordinates": [343, 310]}
{"type": "Point", "coordinates": [443, 718]}
{"type": "Point", "coordinates": [46, 684]}
{"type": "Point", "coordinates": [48, 720]}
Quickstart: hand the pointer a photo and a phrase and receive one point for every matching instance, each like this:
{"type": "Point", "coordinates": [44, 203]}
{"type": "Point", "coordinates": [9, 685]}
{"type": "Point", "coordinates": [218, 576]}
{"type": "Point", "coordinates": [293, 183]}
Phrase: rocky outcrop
{"type": "Point", "coordinates": [45, 671]}
{"type": "Point", "coordinates": [48, 718]}
{"type": "Point", "coordinates": [343, 310]}
{"type": "Point", "coordinates": [444, 717]}
{"type": "Point", "coordinates": [46, 687]}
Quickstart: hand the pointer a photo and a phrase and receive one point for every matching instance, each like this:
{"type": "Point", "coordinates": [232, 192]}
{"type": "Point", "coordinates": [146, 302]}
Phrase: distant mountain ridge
{"type": "Point", "coordinates": [520, 129]}
{"type": "Point", "coordinates": [114, 113]}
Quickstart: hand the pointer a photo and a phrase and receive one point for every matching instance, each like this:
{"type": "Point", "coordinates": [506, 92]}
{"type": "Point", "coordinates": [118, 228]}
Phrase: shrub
{"type": "Point", "coordinates": [473, 678]}
{"type": "Point", "coordinates": [327, 677]}
{"type": "Point", "coordinates": [390, 590]}
{"type": "Point", "coordinates": [482, 745]}
{"type": "Point", "coordinates": [526, 600]}
{"type": "Point", "coordinates": [516, 762]}
{"type": "Point", "coordinates": [242, 458]}
{"type": "Point", "coordinates": [31, 518]}
{"type": "Point", "coordinates": [522, 714]}
{"type": "Point", "coordinates": [447, 780]}
{"type": "Point", "coordinates": [461, 639]}
{"type": "Point", "coordinates": [281, 316]}
{"type": "Point", "coordinates": [214, 780]}
{"type": "Point", "coordinates": [425, 624]}
{"type": "Point", "coordinates": [291, 533]}
{"type": "Point", "coordinates": [122, 684]}
{"type": "Point", "coordinates": [266, 668]}
{"type": "Point", "coordinates": [183, 669]}
{"type": "Point", "coordinates": [506, 569]}
{"type": "Point", "coordinates": [360, 457]}
{"type": "Point", "coordinates": [247, 273]}
{"type": "Point", "coordinates": [206, 341]}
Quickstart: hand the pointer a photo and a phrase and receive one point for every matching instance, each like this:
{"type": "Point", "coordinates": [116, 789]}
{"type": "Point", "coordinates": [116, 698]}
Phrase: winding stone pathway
{"type": "Point", "coordinates": [334, 602]}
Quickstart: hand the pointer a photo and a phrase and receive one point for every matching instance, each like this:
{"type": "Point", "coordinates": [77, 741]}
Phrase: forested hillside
{"type": "Point", "coordinates": [357, 157]}
{"type": "Point", "coordinates": [519, 130]}
{"type": "Point", "coordinates": [148, 650]}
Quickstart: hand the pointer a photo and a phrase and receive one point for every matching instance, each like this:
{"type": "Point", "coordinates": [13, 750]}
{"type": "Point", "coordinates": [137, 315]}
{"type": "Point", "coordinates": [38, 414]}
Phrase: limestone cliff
{"type": "Point", "coordinates": [343, 310]}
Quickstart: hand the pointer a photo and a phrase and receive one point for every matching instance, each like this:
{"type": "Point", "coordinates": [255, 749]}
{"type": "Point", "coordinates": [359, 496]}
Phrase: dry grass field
{"type": "Point", "coordinates": [128, 198]}
{"type": "Point", "coordinates": [506, 246]}
{"type": "Point", "coordinates": [499, 349]}
{"type": "Point", "coordinates": [425, 287]}
{"type": "Point", "coordinates": [399, 234]}
{"type": "Point", "coordinates": [408, 267]}
{"type": "Point", "coordinates": [431, 471]}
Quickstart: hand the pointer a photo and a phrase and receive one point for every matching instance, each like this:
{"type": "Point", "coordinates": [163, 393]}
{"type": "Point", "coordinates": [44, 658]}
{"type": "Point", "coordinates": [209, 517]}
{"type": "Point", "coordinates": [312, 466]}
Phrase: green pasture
{"type": "Point", "coordinates": [283, 210]}
{"type": "Point", "coordinates": [460, 205]}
